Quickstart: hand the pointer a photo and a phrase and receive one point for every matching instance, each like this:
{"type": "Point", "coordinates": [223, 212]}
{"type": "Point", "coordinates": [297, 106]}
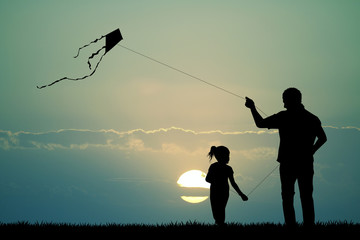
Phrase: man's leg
{"type": "Point", "coordinates": [288, 179]}
{"type": "Point", "coordinates": [306, 189]}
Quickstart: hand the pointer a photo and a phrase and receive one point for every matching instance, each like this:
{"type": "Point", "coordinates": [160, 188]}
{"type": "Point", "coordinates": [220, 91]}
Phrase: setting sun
{"type": "Point", "coordinates": [193, 179]}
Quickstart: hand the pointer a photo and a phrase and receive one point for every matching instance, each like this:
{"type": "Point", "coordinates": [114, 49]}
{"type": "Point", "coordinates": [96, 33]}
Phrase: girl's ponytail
{"type": "Point", "coordinates": [211, 154]}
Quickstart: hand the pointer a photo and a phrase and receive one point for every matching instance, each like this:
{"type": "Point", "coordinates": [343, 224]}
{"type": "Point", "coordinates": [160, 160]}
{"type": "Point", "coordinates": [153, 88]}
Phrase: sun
{"type": "Point", "coordinates": [193, 179]}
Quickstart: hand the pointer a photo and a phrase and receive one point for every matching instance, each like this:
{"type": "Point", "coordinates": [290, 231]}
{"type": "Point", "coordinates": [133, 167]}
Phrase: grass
{"type": "Point", "coordinates": [189, 229]}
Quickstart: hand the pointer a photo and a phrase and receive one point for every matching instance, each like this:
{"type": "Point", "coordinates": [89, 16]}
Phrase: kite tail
{"type": "Point", "coordinates": [88, 45]}
{"type": "Point", "coordinates": [93, 55]}
{"type": "Point", "coordinates": [73, 79]}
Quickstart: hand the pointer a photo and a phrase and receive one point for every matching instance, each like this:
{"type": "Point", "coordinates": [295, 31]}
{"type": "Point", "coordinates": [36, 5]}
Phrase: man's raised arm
{"type": "Point", "coordinates": [258, 119]}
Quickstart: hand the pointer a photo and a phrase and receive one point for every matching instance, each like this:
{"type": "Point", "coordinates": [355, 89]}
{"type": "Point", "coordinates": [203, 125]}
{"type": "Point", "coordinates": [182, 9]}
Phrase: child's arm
{"type": "Point", "coordinates": [237, 189]}
{"type": "Point", "coordinates": [209, 177]}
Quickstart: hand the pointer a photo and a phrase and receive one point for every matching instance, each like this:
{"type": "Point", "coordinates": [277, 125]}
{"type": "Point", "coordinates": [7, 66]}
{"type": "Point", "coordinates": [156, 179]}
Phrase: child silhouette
{"type": "Point", "coordinates": [218, 176]}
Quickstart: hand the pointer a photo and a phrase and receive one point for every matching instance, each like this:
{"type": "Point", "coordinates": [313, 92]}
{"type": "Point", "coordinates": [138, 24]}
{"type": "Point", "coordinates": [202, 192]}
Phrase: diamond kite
{"type": "Point", "coordinates": [111, 39]}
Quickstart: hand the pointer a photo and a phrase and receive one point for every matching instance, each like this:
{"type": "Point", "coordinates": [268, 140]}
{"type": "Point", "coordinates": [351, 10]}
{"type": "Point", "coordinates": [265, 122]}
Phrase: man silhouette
{"type": "Point", "coordinates": [301, 135]}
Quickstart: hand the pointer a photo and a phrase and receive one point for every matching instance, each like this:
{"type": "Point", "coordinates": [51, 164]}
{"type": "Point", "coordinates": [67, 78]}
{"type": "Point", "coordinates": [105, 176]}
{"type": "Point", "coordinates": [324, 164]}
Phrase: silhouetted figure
{"type": "Point", "coordinates": [301, 135]}
{"type": "Point", "coordinates": [218, 175]}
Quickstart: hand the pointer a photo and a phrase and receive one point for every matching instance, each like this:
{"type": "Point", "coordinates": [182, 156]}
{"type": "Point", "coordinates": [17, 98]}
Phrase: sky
{"type": "Point", "coordinates": [111, 148]}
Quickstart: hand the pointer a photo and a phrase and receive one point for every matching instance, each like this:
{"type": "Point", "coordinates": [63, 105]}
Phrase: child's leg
{"type": "Point", "coordinates": [218, 205]}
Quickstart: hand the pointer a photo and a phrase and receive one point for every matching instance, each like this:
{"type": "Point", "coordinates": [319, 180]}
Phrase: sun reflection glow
{"type": "Point", "coordinates": [192, 199]}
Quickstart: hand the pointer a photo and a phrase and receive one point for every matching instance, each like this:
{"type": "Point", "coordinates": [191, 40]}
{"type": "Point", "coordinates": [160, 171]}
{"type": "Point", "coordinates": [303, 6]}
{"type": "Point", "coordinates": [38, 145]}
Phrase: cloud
{"type": "Point", "coordinates": [347, 127]}
{"type": "Point", "coordinates": [108, 138]}
{"type": "Point", "coordinates": [4, 143]}
{"type": "Point", "coordinates": [135, 140]}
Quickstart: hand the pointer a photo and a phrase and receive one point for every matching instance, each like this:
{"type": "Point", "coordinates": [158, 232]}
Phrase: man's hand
{"type": "Point", "coordinates": [249, 103]}
{"type": "Point", "coordinates": [257, 117]}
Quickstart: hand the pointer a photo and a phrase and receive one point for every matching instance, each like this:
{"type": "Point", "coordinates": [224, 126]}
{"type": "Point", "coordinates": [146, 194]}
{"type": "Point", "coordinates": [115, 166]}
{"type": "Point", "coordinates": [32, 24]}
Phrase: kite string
{"type": "Point", "coordinates": [183, 72]}
{"type": "Point", "coordinates": [187, 74]}
{"type": "Point", "coordinates": [263, 180]}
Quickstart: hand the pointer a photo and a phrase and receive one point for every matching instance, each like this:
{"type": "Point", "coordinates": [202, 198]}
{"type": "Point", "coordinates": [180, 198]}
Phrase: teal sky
{"type": "Point", "coordinates": [70, 152]}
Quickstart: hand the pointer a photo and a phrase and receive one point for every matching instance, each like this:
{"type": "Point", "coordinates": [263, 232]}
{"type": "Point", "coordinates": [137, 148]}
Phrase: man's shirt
{"type": "Point", "coordinates": [298, 129]}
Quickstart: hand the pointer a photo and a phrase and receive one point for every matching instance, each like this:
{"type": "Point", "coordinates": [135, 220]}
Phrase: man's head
{"type": "Point", "coordinates": [291, 98]}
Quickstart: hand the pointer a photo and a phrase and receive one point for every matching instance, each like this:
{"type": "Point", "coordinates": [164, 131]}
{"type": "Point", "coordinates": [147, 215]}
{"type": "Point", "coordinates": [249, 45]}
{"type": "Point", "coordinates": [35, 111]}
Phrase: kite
{"type": "Point", "coordinates": [111, 40]}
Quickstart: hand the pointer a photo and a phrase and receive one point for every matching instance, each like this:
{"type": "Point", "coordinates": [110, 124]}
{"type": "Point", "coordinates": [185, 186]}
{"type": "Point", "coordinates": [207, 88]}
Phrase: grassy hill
{"type": "Point", "coordinates": [188, 229]}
